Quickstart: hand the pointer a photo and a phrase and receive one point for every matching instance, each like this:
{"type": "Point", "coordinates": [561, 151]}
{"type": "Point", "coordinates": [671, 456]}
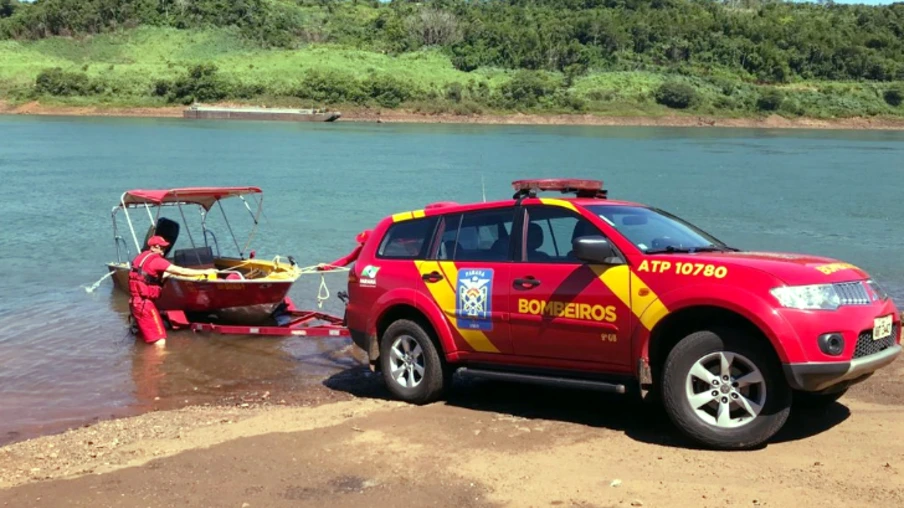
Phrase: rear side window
{"type": "Point", "coordinates": [476, 236]}
{"type": "Point", "coordinates": [407, 239]}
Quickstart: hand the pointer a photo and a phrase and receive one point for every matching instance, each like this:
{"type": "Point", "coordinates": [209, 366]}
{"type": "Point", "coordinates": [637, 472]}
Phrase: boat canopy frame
{"type": "Point", "coordinates": [204, 198]}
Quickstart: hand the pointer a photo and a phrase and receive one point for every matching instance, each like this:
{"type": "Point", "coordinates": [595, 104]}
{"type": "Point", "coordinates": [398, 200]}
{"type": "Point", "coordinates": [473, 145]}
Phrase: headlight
{"type": "Point", "coordinates": [880, 293]}
{"type": "Point", "coordinates": [817, 296]}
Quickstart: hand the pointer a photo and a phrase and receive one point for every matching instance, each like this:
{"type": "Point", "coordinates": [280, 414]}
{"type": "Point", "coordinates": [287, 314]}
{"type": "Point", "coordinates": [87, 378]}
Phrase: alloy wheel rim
{"type": "Point", "coordinates": [406, 362]}
{"type": "Point", "coordinates": [725, 389]}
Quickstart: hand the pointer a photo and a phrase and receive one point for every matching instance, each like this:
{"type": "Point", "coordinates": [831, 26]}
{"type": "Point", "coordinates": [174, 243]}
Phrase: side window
{"type": "Point", "coordinates": [407, 239]}
{"type": "Point", "coordinates": [549, 233]}
{"type": "Point", "coordinates": [446, 234]}
{"type": "Point", "coordinates": [476, 236]}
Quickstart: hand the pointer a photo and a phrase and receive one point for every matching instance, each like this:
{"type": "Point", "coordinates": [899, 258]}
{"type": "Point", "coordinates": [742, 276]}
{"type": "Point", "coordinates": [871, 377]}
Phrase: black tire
{"type": "Point", "coordinates": [429, 387]}
{"type": "Point", "coordinates": [817, 400]}
{"type": "Point", "coordinates": [776, 402]}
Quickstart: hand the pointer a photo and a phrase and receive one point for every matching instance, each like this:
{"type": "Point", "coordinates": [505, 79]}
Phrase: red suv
{"type": "Point", "coordinates": [590, 292]}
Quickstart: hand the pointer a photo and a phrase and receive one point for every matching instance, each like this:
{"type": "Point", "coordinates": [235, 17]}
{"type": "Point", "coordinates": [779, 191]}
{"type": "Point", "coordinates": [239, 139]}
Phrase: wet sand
{"type": "Point", "coordinates": [489, 444]}
{"type": "Point", "coordinates": [192, 372]}
{"type": "Point", "coordinates": [401, 116]}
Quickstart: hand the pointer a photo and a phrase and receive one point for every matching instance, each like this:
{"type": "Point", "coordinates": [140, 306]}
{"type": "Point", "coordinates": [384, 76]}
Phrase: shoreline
{"type": "Point", "coordinates": [351, 429]}
{"type": "Point", "coordinates": [111, 444]}
{"type": "Point", "coordinates": [401, 116]}
{"type": "Point", "coordinates": [385, 451]}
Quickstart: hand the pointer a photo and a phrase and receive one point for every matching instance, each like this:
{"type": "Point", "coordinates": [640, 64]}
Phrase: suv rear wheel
{"type": "Point", "coordinates": [725, 389]}
{"type": "Point", "coordinates": [412, 368]}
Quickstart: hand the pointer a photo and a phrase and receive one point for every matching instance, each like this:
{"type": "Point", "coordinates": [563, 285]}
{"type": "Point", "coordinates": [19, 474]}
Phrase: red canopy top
{"type": "Point", "coordinates": [204, 196]}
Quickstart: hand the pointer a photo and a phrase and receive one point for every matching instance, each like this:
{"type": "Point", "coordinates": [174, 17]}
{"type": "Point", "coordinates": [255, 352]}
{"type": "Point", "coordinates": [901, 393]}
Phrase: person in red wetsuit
{"type": "Point", "coordinates": [145, 284]}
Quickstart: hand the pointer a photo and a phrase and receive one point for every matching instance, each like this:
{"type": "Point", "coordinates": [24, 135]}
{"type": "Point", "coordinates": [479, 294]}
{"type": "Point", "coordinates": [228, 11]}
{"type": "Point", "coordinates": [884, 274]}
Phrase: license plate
{"type": "Point", "coordinates": [881, 327]}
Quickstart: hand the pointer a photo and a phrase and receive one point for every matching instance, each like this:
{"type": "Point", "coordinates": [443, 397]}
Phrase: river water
{"type": "Point", "coordinates": [66, 356]}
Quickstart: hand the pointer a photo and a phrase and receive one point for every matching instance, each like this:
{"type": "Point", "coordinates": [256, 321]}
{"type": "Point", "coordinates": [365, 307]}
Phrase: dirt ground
{"type": "Point", "coordinates": [401, 116]}
{"type": "Point", "coordinates": [489, 444]}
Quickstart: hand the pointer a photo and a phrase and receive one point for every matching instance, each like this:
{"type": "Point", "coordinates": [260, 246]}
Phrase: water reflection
{"type": "Point", "coordinates": [148, 374]}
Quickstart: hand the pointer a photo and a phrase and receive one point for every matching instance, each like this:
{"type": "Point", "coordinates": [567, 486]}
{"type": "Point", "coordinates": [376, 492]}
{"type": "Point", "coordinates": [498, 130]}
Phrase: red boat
{"type": "Point", "coordinates": [246, 288]}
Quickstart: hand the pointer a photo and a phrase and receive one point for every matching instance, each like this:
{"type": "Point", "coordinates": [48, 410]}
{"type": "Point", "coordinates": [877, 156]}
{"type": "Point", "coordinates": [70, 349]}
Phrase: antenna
{"type": "Point", "coordinates": [483, 188]}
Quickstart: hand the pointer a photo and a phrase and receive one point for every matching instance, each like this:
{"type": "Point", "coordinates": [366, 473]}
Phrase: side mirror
{"type": "Point", "coordinates": [596, 250]}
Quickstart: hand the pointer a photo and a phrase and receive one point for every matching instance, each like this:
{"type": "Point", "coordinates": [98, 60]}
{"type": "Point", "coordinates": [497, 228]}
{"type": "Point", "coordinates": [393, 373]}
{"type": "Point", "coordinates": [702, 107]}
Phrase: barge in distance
{"type": "Point", "coordinates": [226, 113]}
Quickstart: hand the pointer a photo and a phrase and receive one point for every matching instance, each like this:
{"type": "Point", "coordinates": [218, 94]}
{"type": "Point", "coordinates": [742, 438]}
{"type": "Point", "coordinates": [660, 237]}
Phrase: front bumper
{"type": "Point", "coordinates": [814, 377]}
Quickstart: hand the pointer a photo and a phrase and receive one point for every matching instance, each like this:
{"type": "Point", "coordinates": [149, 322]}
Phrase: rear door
{"type": "Point", "coordinates": [466, 274]}
{"type": "Point", "coordinates": [561, 307]}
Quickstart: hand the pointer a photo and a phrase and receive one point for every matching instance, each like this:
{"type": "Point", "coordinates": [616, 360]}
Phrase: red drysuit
{"type": "Point", "coordinates": [145, 284]}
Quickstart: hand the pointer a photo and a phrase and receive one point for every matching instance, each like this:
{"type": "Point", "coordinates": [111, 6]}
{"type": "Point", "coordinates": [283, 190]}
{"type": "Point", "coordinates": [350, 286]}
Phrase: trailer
{"type": "Point", "coordinates": [289, 320]}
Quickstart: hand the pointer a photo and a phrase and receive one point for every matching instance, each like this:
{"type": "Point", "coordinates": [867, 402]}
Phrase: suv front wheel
{"type": "Point", "coordinates": [412, 368]}
{"type": "Point", "coordinates": [725, 389]}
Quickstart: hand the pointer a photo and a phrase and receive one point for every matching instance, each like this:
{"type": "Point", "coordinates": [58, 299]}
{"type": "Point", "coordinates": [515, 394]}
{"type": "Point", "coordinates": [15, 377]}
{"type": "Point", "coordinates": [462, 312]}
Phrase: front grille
{"type": "Point", "coordinates": [852, 293]}
{"type": "Point", "coordinates": [867, 346]}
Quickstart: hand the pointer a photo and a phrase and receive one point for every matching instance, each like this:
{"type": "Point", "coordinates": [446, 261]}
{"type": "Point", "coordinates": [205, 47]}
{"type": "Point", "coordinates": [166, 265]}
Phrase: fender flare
{"type": "Point", "coordinates": [384, 303]}
{"type": "Point", "coordinates": [748, 305]}
{"type": "Point", "coordinates": [409, 297]}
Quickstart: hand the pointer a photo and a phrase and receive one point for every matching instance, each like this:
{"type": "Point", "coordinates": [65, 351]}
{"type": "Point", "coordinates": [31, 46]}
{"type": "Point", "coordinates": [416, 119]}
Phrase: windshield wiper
{"type": "Point", "coordinates": [671, 249]}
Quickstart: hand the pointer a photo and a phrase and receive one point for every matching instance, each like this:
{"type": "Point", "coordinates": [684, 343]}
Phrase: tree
{"type": "Point", "coordinates": [676, 95]}
{"type": "Point", "coordinates": [434, 27]}
{"type": "Point", "coordinates": [8, 7]}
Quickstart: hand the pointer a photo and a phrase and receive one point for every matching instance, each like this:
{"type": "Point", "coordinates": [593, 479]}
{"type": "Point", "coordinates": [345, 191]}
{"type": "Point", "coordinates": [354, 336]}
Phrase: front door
{"type": "Point", "coordinates": [562, 308]}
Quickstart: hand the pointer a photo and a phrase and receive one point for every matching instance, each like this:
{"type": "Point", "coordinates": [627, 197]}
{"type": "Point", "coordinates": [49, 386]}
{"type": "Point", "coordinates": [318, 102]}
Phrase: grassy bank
{"type": "Point", "coordinates": [157, 67]}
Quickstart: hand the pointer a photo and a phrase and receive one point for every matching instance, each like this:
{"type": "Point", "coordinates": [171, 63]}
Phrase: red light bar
{"type": "Point", "coordinates": [440, 204]}
{"type": "Point", "coordinates": [558, 184]}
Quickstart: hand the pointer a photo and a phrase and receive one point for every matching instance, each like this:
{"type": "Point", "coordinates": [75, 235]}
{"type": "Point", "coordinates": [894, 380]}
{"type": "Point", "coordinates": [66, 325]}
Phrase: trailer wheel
{"type": "Point", "coordinates": [411, 365]}
{"type": "Point", "coordinates": [725, 389]}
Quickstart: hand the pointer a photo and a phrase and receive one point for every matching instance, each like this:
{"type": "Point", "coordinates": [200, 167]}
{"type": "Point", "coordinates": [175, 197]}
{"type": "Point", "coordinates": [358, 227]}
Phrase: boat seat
{"type": "Point", "coordinates": [168, 229]}
{"type": "Point", "coordinates": [200, 257]}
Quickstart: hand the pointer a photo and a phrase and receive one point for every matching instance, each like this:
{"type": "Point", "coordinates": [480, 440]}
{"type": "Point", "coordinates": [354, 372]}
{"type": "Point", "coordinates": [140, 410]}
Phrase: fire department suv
{"type": "Point", "coordinates": [596, 293]}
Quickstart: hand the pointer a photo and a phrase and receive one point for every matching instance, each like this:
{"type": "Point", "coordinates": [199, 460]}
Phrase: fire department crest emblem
{"type": "Point", "coordinates": [474, 298]}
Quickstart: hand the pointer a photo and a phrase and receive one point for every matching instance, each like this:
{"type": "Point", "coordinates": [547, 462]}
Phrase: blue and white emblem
{"type": "Point", "coordinates": [473, 298]}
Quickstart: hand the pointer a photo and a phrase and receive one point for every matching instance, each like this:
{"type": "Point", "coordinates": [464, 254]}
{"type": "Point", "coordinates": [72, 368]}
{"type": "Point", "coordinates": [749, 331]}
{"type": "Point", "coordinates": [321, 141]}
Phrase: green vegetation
{"type": "Point", "coordinates": [625, 57]}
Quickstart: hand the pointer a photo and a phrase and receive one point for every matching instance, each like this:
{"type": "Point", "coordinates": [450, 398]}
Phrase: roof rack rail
{"type": "Point", "coordinates": [580, 188]}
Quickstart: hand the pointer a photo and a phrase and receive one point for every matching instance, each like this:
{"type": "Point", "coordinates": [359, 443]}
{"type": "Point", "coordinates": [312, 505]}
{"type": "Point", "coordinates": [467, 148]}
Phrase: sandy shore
{"type": "Point", "coordinates": [488, 444]}
{"type": "Point", "coordinates": [392, 116]}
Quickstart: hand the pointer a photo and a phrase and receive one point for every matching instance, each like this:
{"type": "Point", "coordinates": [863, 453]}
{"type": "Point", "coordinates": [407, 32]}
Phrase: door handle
{"type": "Point", "coordinates": [529, 282]}
{"type": "Point", "coordinates": [433, 276]}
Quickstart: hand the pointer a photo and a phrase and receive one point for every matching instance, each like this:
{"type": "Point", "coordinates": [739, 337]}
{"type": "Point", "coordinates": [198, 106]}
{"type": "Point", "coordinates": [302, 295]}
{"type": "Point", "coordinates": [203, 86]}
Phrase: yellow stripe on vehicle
{"type": "Point", "coordinates": [398, 217]}
{"type": "Point", "coordinates": [443, 293]}
{"type": "Point", "coordinates": [559, 202]}
{"type": "Point", "coordinates": [401, 216]}
{"type": "Point", "coordinates": [644, 302]}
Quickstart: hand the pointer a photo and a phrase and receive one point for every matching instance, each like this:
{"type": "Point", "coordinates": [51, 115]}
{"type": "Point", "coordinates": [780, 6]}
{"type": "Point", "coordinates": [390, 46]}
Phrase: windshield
{"type": "Point", "coordinates": [655, 231]}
